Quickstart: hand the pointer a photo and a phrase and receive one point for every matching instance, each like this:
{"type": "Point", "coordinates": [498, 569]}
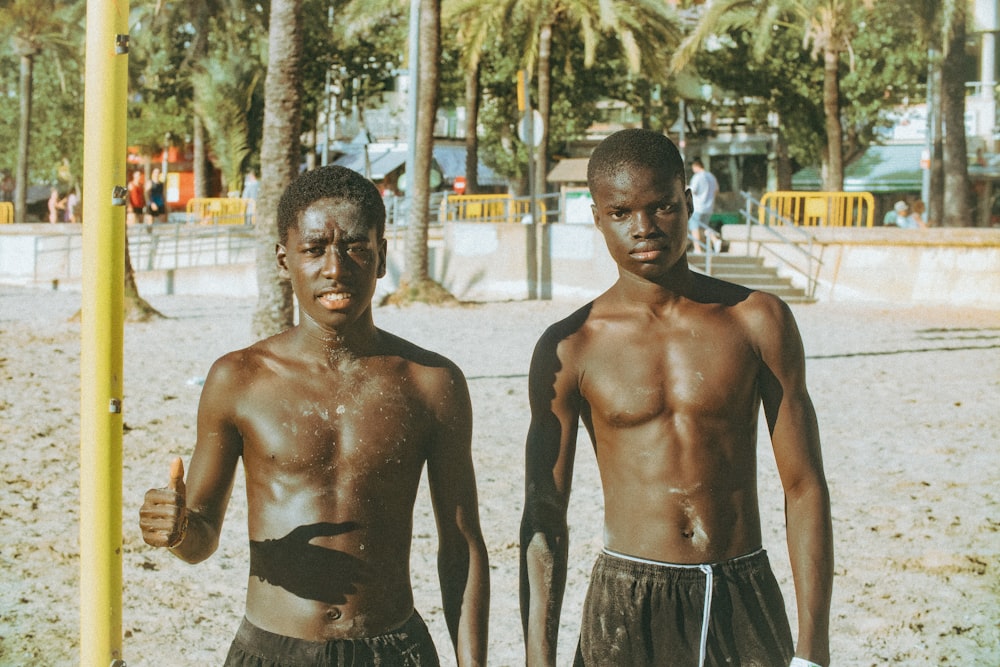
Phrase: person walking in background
{"type": "Point", "coordinates": [704, 188]}
{"type": "Point", "coordinates": [667, 370]}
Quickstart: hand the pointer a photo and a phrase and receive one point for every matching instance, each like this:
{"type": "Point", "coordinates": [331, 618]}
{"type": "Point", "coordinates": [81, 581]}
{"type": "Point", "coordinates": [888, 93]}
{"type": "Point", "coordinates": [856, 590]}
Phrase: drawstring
{"type": "Point", "coordinates": [705, 614]}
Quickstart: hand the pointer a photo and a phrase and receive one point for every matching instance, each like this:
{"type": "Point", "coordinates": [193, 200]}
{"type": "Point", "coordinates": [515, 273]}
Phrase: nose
{"type": "Point", "coordinates": [334, 262]}
{"type": "Point", "coordinates": [643, 224]}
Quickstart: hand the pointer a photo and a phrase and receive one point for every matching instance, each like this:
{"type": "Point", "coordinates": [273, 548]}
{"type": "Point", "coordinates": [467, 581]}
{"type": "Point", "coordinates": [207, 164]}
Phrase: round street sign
{"type": "Point", "coordinates": [536, 129]}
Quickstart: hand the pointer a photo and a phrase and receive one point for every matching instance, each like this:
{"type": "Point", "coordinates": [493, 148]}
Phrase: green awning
{"type": "Point", "coordinates": [880, 169]}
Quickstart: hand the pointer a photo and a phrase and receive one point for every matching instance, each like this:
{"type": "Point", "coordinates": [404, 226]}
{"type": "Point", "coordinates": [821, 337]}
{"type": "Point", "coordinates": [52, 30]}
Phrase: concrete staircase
{"type": "Point", "coordinates": [750, 272]}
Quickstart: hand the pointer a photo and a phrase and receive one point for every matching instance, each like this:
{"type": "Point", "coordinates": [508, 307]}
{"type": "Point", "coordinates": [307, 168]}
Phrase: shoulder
{"type": "Point", "coordinates": [568, 331]}
{"type": "Point", "coordinates": [430, 373]}
{"type": "Point", "coordinates": [233, 368]}
{"type": "Point", "coordinates": [767, 320]}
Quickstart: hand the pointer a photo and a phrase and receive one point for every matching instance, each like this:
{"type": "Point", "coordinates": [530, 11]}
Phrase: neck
{"type": "Point", "coordinates": [359, 338]}
{"type": "Point", "coordinates": [676, 283]}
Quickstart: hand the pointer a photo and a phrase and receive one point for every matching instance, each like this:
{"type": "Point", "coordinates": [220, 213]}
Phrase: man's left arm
{"type": "Point", "coordinates": [463, 563]}
{"type": "Point", "coordinates": [792, 423]}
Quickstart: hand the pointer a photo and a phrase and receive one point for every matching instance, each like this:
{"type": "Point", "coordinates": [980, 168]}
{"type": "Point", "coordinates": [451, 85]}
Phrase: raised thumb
{"type": "Point", "coordinates": [177, 476]}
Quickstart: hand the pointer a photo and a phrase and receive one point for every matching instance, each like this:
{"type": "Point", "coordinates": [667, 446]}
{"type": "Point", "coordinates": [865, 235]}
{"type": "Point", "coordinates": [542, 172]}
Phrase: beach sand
{"type": "Point", "coordinates": [907, 400]}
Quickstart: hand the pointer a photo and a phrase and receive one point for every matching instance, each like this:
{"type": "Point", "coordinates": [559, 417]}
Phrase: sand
{"type": "Point", "coordinates": [907, 399]}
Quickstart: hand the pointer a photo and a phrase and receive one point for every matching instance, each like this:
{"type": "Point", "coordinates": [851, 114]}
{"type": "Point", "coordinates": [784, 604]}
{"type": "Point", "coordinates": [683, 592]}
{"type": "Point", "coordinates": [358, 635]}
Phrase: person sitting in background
{"type": "Point", "coordinates": [901, 216]}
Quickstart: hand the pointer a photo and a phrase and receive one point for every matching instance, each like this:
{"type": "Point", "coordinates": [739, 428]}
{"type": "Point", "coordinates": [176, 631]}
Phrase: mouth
{"type": "Point", "coordinates": [334, 300]}
{"type": "Point", "coordinates": [646, 252]}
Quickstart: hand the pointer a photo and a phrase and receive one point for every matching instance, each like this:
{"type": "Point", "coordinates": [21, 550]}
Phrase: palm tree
{"type": "Point", "coordinates": [279, 158]}
{"type": "Point", "coordinates": [416, 283]}
{"type": "Point", "coordinates": [827, 27]}
{"type": "Point", "coordinates": [957, 211]}
{"type": "Point", "coordinates": [36, 27]}
{"type": "Point", "coordinates": [645, 31]}
{"type": "Point", "coordinates": [224, 87]}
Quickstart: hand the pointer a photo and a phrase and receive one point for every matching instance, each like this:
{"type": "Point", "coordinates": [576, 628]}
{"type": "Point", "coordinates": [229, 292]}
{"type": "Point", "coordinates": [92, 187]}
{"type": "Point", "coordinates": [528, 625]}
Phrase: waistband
{"type": "Point", "coordinates": [638, 565]}
{"type": "Point", "coordinates": [264, 643]}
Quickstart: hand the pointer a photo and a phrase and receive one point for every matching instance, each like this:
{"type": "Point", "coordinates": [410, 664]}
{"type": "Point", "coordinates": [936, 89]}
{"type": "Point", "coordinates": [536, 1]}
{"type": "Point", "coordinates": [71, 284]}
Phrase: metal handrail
{"type": "Point", "coordinates": [788, 230]}
{"type": "Point", "coordinates": [161, 246]}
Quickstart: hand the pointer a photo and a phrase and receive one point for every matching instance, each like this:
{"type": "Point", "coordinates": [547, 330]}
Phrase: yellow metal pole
{"type": "Point", "coordinates": [102, 333]}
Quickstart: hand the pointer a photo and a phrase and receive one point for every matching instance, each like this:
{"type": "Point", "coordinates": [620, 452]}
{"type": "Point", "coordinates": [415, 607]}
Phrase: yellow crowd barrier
{"type": "Point", "coordinates": [818, 209]}
{"type": "Point", "coordinates": [6, 213]}
{"type": "Point", "coordinates": [487, 208]}
{"type": "Point", "coordinates": [219, 210]}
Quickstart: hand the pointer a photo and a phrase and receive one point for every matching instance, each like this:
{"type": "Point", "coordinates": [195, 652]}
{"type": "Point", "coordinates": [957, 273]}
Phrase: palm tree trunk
{"type": "Point", "coordinates": [417, 270]}
{"type": "Point", "coordinates": [935, 196]}
{"type": "Point", "coordinates": [200, 159]}
{"type": "Point", "coordinates": [279, 157]}
{"type": "Point", "coordinates": [544, 106]}
{"type": "Point", "coordinates": [957, 211]}
{"type": "Point", "coordinates": [833, 180]}
{"type": "Point", "coordinates": [471, 129]}
{"type": "Point", "coordinates": [23, 138]}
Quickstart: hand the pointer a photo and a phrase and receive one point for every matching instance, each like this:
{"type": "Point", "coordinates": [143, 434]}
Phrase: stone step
{"type": "Point", "coordinates": [752, 273]}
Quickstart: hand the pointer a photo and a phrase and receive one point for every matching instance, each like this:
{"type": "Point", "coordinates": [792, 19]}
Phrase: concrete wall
{"type": "Point", "coordinates": [487, 262]}
{"type": "Point", "coordinates": [955, 266]}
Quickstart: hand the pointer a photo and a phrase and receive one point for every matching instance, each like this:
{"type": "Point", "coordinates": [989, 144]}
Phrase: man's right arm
{"type": "Point", "coordinates": [187, 517]}
{"type": "Point", "coordinates": [549, 453]}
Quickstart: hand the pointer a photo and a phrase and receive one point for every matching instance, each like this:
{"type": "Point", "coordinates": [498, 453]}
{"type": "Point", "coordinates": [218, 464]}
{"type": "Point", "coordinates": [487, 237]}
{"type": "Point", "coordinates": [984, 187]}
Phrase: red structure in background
{"type": "Point", "coordinates": [179, 173]}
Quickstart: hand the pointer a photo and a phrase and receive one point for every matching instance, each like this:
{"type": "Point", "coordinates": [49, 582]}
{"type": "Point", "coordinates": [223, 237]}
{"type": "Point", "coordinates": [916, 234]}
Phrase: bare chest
{"type": "Point", "coordinates": [356, 424]}
{"type": "Point", "coordinates": [641, 378]}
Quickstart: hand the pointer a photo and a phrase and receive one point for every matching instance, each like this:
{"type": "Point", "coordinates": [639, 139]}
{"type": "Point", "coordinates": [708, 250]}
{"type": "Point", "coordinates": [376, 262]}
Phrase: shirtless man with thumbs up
{"type": "Point", "coordinates": [335, 420]}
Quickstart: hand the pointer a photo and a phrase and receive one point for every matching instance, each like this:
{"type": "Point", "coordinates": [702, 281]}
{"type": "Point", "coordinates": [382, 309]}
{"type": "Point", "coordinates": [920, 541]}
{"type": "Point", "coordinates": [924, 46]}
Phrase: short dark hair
{"type": "Point", "coordinates": [332, 182]}
{"type": "Point", "coordinates": [634, 147]}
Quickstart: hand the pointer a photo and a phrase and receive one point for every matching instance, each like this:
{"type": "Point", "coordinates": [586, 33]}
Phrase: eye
{"type": "Point", "coordinates": [667, 208]}
{"type": "Point", "coordinates": [314, 250]}
{"type": "Point", "coordinates": [619, 214]}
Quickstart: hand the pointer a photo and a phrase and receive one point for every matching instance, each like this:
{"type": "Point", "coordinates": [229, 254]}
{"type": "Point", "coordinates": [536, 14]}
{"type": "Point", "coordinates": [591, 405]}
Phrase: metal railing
{"type": "Point", "coordinates": [498, 208]}
{"type": "Point", "coordinates": [220, 211]}
{"type": "Point", "coordinates": [806, 253]}
{"type": "Point", "coordinates": [817, 209]}
{"type": "Point", "coordinates": [151, 248]}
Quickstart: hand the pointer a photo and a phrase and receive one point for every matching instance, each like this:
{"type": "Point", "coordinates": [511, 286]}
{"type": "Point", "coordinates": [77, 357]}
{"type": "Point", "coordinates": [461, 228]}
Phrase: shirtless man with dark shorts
{"type": "Point", "coordinates": [667, 370]}
{"type": "Point", "coordinates": [335, 420]}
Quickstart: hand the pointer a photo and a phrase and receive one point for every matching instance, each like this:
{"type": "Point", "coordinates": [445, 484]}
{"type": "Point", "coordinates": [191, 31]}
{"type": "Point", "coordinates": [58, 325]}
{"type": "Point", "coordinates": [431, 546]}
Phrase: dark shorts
{"type": "Point", "coordinates": [642, 613]}
{"type": "Point", "coordinates": [410, 645]}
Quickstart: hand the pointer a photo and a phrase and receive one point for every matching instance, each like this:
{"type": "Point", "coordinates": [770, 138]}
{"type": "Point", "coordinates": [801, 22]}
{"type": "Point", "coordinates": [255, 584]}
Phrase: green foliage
{"type": "Point", "coordinates": [57, 118]}
{"type": "Point", "coordinates": [51, 34]}
{"type": "Point", "coordinates": [889, 66]}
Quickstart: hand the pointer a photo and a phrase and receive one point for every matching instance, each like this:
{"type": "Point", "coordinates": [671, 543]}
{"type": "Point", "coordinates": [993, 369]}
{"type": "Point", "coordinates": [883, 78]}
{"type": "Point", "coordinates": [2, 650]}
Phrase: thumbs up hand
{"type": "Point", "coordinates": [163, 516]}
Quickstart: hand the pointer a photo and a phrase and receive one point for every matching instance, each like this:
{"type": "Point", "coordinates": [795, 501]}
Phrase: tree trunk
{"type": "Point", "coordinates": [935, 203]}
{"type": "Point", "coordinates": [23, 139]}
{"type": "Point", "coordinates": [957, 211]}
{"type": "Point", "coordinates": [783, 163]}
{"type": "Point", "coordinates": [200, 159]}
{"type": "Point", "coordinates": [417, 270]}
{"type": "Point", "coordinates": [137, 309]}
{"type": "Point", "coordinates": [279, 157]}
{"type": "Point", "coordinates": [833, 180]}
{"type": "Point", "coordinates": [544, 107]}
{"type": "Point", "coordinates": [471, 129]}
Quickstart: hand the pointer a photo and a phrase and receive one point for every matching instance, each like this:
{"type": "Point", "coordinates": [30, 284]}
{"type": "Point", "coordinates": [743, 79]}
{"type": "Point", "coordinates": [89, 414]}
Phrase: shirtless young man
{"type": "Point", "coordinates": [667, 370]}
{"type": "Point", "coordinates": [334, 420]}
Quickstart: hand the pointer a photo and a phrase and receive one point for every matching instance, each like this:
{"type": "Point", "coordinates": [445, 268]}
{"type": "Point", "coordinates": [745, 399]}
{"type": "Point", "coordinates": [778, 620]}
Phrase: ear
{"type": "Point", "coordinates": [383, 250]}
{"type": "Point", "coordinates": [689, 200]}
{"type": "Point", "coordinates": [281, 257]}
